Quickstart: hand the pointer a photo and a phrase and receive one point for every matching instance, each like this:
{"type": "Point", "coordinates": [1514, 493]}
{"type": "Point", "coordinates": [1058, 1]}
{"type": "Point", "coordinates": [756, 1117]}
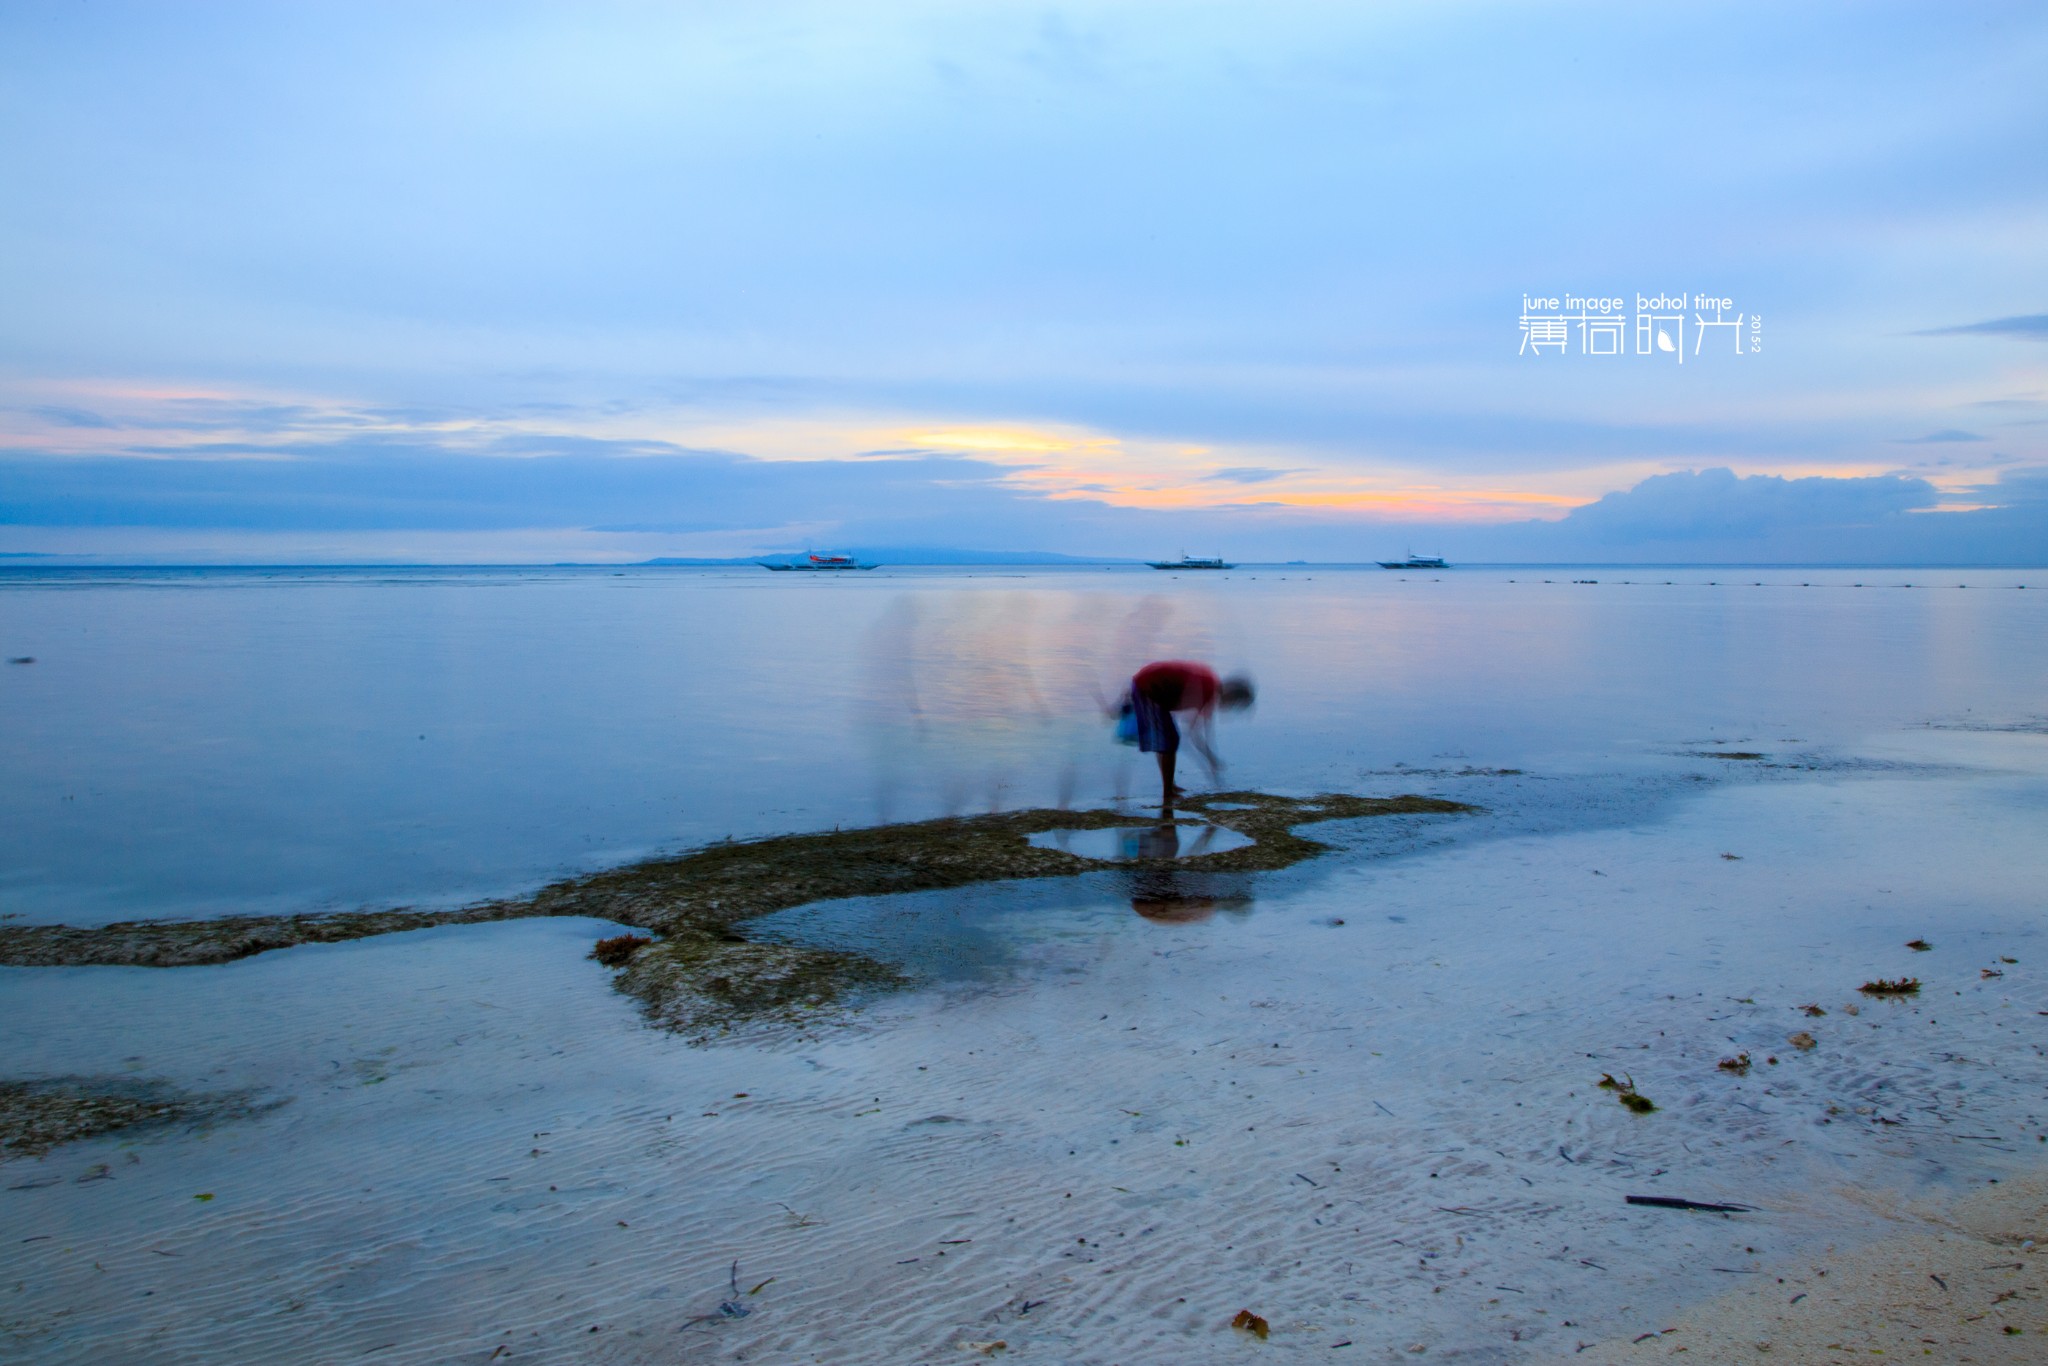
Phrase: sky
{"type": "Point", "coordinates": [516, 282]}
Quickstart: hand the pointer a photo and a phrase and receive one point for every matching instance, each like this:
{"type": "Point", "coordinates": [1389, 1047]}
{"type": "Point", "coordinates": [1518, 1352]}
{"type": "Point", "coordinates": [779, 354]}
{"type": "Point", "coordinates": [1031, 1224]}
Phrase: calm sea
{"type": "Point", "coordinates": [192, 742]}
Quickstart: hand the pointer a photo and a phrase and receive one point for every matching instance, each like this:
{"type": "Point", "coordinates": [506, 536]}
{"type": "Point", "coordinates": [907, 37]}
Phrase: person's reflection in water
{"type": "Point", "coordinates": [1166, 895]}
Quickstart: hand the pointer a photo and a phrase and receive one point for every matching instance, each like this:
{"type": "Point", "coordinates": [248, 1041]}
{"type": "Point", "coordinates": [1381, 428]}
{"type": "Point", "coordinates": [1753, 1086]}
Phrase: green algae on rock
{"type": "Point", "coordinates": [697, 983]}
{"type": "Point", "coordinates": [36, 1116]}
{"type": "Point", "coordinates": [701, 972]}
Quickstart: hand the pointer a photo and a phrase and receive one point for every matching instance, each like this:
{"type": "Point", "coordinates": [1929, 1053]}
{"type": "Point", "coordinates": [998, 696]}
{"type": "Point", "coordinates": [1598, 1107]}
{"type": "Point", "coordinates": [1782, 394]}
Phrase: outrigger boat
{"type": "Point", "coordinates": [1415, 561]}
{"type": "Point", "coordinates": [817, 564]}
{"type": "Point", "coordinates": [1187, 561]}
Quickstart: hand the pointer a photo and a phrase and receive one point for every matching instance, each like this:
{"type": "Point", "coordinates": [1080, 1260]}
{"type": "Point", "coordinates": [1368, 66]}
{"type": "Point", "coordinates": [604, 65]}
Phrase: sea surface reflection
{"type": "Point", "coordinates": [196, 742]}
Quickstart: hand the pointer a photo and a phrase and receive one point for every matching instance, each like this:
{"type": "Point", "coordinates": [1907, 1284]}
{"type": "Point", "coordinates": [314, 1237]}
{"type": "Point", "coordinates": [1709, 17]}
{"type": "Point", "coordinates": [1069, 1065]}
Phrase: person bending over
{"type": "Point", "coordinates": [1177, 685]}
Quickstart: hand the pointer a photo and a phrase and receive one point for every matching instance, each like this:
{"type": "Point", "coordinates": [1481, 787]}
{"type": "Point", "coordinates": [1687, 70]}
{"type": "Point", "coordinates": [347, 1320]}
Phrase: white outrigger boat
{"type": "Point", "coordinates": [1187, 561]}
{"type": "Point", "coordinates": [817, 564]}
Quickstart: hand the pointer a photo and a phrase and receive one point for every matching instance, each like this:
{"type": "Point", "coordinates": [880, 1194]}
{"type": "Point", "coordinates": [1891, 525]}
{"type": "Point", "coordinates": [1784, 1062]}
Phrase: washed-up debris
{"type": "Point", "coordinates": [1989, 972]}
{"type": "Point", "coordinates": [987, 1349]}
{"type": "Point", "coordinates": [1918, 945]}
{"type": "Point", "coordinates": [1803, 1041]}
{"type": "Point", "coordinates": [618, 950]}
{"type": "Point", "coordinates": [733, 1308]}
{"type": "Point", "coordinates": [1902, 986]}
{"type": "Point", "coordinates": [1813, 1010]}
{"type": "Point", "coordinates": [1248, 1322]}
{"type": "Point", "coordinates": [1626, 1093]}
{"type": "Point", "coordinates": [1739, 1064]}
{"type": "Point", "coordinates": [1677, 1202]}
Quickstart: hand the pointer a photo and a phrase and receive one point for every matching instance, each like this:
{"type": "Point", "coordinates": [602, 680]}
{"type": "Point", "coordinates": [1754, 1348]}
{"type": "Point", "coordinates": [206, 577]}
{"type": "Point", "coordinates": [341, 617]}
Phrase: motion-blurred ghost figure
{"type": "Point", "coordinates": [1177, 685]}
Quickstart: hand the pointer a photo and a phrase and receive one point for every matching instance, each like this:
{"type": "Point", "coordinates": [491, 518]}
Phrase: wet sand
{"type": "Point", "coordinates": [1363, 1107]}
{"type": "Point", "coordinates": [1959, 1280]}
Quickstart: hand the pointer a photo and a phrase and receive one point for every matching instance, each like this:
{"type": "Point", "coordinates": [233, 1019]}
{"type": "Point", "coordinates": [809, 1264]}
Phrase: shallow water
{"type": "Point", "coordinates": [1363, 1107]}
{"type": "Point", "coordinates": [198, 742]}
{"type": "Point", "coordinates": [1124, 843]}
{"type": "Point", "coordinates": [1355, 1096]}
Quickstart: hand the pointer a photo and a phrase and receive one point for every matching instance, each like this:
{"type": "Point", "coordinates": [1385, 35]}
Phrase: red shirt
{"type": "Point", "coordinates": [1177, 685]}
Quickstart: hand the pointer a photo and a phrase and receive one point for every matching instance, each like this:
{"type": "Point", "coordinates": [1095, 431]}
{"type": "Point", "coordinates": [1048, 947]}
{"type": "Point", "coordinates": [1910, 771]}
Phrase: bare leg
{"type": "Point", "coordinates": [1199, 734]}
{"type": "Point", "coordinates": [1167, 791]}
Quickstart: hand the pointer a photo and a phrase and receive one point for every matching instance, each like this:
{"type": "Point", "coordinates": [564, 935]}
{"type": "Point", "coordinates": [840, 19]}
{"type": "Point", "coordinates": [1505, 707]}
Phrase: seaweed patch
{"type": "Point", "coordinates": [1625, 1092]}
{"type": "Point", "coordinates": [618, 950]}
{"type": "Point", "coordinates": [698, 983]}
{"type": "Point", "coordinates": [36, 1116]}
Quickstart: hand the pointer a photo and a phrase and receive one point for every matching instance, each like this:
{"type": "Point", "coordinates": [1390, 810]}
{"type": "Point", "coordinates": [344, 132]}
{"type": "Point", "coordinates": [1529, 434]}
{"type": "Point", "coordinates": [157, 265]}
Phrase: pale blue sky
{"type": "Point", "coordinates": [506, 281]}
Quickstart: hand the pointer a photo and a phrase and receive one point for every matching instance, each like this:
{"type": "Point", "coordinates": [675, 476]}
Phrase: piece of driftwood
{"type": "Point", "coordinates": [1674, 1202]}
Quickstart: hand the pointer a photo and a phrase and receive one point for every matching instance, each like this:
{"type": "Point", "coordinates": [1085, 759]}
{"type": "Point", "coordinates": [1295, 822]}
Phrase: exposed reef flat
{"type": "Point", "coordinates": [702, 972]}
{"type": "Point", "coordinates": [36, 1116]}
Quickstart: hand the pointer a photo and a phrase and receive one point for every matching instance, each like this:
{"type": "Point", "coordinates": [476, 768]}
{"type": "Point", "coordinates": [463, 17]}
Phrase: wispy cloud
{"type": "Point", "coordinates": [1718, 504]}
{"type": "Point", "coordinates": [1247, 474]}
{"type": "Point", "coordinates": [72, 417]}
{"type": "Point", "coordinates": [2032, 326]}
{"type": "Point", "coordinates": [1942, 437]}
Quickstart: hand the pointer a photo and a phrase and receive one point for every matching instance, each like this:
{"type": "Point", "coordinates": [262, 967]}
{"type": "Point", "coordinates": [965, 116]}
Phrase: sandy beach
{"type": "Point", "coordinates": [1364, 1107]}
{"type": "Point", "coordinates": [1957, 1280]}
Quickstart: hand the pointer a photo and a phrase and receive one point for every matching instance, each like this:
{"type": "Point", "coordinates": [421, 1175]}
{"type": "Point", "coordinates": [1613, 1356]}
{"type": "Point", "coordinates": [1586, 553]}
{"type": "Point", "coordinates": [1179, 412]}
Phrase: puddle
{"type": "Point", "coordinates": [1127, 842]}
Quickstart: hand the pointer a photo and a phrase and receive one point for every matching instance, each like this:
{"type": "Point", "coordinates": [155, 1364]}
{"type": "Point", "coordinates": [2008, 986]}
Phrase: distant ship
{"type": "Point", "coordinates": [818, 564]}
{"type": "Point", "coordinates": [1415, 561]}
{"type": "Point", "coordinates": [1190, 562]}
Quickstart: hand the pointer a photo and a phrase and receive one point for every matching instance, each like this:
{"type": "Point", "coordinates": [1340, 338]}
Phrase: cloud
{"type": "Point", "coordinates": [2032, 326]}
{"type": "Point", "coordinates": [1945, 435]}
{"type": "Point", "coordinates": [371, 502]}
{"type": "Point", "coordinates": [1717, 504]}
{"type": "Point", "coordinates": [819, 208]}
{"type": "Point", "coordinates": [381, 486]}
{"type": "Point", "coordinates": [1248, 474]}
{"type": "Point", "coordinates": [2021, 488]}
{"type": "Point", "coordinates": [73, 417]}
{"type": "Point", "coordinates": [1714, 516]}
